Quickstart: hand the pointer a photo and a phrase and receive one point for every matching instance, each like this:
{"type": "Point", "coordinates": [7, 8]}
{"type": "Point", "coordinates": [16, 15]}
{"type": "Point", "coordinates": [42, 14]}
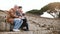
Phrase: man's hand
{"type": "Point", "coordinates": [20, 17]}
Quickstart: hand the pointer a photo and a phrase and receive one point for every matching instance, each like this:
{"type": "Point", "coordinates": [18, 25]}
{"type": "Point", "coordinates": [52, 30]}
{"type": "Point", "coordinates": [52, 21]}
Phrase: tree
{"type": "Point", "coordinates": [34, 11]}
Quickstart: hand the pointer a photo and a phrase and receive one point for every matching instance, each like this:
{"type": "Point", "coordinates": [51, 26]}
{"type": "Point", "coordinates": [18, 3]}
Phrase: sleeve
{"type": "Point", "coordinates": [13, 15]}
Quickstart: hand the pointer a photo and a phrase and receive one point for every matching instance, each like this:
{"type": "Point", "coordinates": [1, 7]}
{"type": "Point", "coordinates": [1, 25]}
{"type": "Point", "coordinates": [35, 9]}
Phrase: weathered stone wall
{"type": "Point", "coordinates": [37, 25]}
{"type": "Point", "coordinates": [44, 21]}
{"type": "Point", "coordinates": [53, 25]}
{"type": "Point", "coordinates": [4, 26]}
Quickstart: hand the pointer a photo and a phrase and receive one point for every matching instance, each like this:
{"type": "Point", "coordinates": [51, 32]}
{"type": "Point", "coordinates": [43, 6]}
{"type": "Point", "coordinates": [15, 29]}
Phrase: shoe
{"type": "Point", "coordinates": [16, 30]}
{"type": "Point", "coordinates": [11, 30]}
{"type": "Point", "coordinates": [26, 30]}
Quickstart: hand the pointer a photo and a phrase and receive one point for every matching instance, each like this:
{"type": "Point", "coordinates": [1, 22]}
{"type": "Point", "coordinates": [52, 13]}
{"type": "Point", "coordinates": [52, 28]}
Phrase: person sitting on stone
{"type": "Point", "coordinates": [15, 19]}
{"type": "Point", "coordinates": [19, 12]}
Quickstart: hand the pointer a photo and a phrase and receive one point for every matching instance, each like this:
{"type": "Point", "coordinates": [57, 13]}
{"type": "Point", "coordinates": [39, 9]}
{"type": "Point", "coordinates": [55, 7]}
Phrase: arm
{"type": "Point", "coordinates": [13, 15]}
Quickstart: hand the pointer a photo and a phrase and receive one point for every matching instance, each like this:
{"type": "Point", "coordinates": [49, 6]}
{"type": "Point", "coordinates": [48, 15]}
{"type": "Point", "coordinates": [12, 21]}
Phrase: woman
{"type": "Point", "coordinates": [20, 13]}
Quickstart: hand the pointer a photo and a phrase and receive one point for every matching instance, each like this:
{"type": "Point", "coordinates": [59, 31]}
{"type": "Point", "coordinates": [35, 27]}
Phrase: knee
{"type": "Point", "coordinates": [17, 19]}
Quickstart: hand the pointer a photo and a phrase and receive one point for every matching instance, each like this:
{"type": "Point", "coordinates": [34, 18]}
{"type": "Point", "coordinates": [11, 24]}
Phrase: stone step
{"type": "Point", "coordinates": [27, 32]}
{"type": "Point", "coordinates": [30, 32]}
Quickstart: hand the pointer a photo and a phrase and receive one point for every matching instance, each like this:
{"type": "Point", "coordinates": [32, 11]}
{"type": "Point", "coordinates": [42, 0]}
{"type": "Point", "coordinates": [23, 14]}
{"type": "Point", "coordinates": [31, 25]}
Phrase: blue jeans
{"type": "Point", "coordinates": [17, 23]}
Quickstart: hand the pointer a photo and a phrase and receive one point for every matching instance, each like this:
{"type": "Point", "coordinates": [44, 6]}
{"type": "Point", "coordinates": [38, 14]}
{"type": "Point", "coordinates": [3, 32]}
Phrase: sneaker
{"type": "Point", "coordinates": [26, 30]}
{"type": "Point", "coordinates": [16, 30]}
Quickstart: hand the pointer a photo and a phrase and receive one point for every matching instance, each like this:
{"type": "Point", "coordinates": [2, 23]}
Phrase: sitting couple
{"type": "Point", "coordinates": [17, 18]}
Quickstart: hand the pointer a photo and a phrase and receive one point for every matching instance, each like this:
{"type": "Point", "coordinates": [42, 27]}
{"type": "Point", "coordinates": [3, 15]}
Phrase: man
{"type": "Point", "coordinates": [15, 19]}
{"type": "Point", "coordinates": [20, 13]}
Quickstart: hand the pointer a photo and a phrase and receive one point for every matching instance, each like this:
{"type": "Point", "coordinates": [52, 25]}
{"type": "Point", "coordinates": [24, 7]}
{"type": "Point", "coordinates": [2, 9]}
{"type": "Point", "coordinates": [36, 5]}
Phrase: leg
{"type": "Point", "coordinates": [27, 28]}
{"type": "Point", "coordinates": [25, 24]}
{"type": "Point", "coordinates": [17, 23]}
{"type": "Point", "coordinates": [11, 27]}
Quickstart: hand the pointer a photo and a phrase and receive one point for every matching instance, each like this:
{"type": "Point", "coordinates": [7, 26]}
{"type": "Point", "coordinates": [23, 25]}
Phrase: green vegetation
{"type": "Point", "coordinates": [36, 12]}
{"type": "Point", "coordinates": [50, 7]}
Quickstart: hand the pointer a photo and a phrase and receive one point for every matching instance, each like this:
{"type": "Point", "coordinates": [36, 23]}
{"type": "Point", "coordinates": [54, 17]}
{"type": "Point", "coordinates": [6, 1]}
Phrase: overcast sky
{"type": "Point", "coordinates": [26, 4]}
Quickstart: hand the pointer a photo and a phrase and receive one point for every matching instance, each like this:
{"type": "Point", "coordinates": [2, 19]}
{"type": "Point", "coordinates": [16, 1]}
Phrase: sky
{"type": "Point", "coordinates": [26, 4]}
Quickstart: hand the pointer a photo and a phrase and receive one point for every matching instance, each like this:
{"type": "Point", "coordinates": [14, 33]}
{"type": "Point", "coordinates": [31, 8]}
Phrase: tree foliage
{"type": "Point", "coordinates": [50, 6]}
{"type": "Point", "coordinates": [34, 11]}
